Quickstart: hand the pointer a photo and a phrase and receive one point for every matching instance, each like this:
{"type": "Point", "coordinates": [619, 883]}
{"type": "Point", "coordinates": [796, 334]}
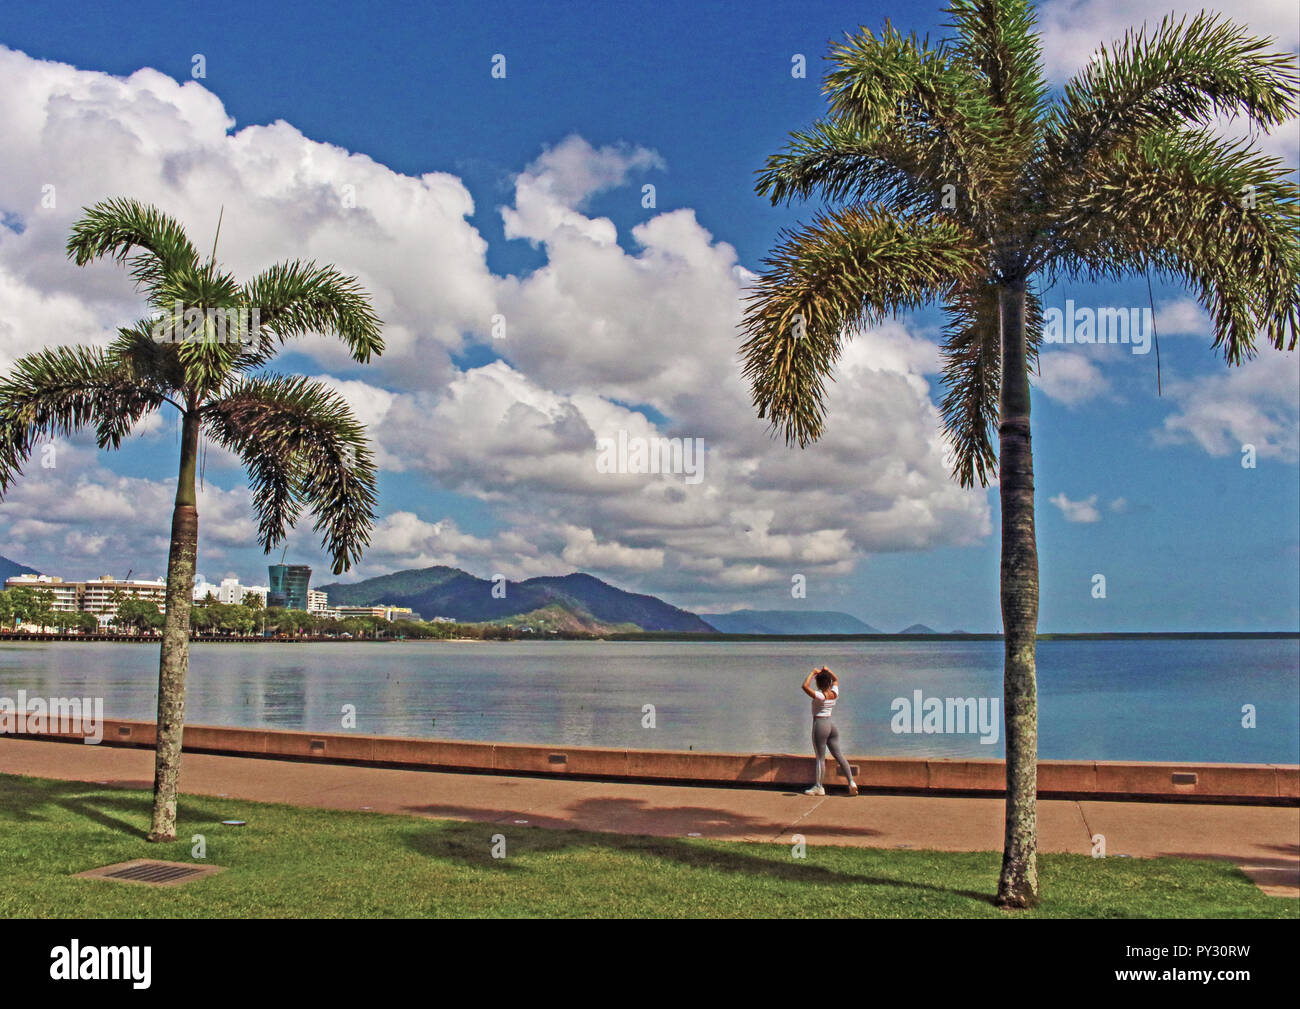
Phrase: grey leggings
{"type": "Point", "coordinates": [824, 735]}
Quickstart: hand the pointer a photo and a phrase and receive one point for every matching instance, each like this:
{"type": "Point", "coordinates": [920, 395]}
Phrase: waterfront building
{"type": "Point", "coordinates": [389, 613]}
{"type": "Point", "coordinates": [99, 596]}
{"type": "Point", "coordinates": [230, 591]}
{"type": "Point", "coordinates": [65, 593]}
{"type": "Point", "coordinates": [289, 586]}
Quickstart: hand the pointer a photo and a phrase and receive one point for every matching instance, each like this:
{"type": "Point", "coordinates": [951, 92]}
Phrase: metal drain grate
{"type": "Point", "coordinates": [151, 872]}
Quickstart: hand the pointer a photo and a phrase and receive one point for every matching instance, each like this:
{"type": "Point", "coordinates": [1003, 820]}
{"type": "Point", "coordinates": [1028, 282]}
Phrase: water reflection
{"type": "Point", "coordinates": [1118, 700]}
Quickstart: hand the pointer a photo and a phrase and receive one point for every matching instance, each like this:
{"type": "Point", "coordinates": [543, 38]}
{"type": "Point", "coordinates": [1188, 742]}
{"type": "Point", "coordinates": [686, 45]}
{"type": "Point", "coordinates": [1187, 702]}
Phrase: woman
{"type": "Point", "coordinates": [824, 733]}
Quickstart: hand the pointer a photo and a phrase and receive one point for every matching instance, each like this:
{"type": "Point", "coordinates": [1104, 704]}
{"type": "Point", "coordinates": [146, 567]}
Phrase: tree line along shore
{"type": "Point", "coordinates": [29, 614]}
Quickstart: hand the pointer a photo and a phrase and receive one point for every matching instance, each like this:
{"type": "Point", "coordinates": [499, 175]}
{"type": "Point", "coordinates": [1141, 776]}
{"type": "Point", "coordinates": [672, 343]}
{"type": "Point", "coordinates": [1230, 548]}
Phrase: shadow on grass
{"type": "Point", "coordinates": [21, 801]}
{"type": "Point", "coordinates": [470, 844]}
{"type": "Point", "coordinates": [637, 816]}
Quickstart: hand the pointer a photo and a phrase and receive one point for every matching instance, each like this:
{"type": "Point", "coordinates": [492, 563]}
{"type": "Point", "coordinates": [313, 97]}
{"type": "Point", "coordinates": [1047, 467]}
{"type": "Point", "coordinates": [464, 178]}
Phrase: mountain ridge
{"type": "Point", "coordinates": [788, 622]}
{"type": "Point", "coordinates": [442, 591]}
{"type": "Point", "coordinates": [12, 569]}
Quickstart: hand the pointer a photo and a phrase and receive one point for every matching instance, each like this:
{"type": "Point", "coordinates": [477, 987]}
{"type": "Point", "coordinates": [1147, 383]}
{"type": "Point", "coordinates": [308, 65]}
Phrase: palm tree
{"type": "Point", "coordinates": [298, 440]}
{"type": "Point", "coordinates": [960, 181]}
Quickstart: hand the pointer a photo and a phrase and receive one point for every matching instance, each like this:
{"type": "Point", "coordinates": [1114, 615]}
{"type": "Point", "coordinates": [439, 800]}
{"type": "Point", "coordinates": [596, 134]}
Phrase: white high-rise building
{"type": "Point", "coordinates": [230, 591]}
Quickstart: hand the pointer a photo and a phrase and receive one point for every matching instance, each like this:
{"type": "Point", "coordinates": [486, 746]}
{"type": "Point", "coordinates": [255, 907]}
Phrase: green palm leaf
{"type": "Point", "coordinates": [301, 444]}
{"type": "Point", "coordinates": [57, 392]}
{"type": "Point", "coordinates": [849, 269]}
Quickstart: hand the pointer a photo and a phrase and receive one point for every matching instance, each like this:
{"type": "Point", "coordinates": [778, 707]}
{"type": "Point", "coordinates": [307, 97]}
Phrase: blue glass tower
{"type": "Point", "coordinates": [288, 585]}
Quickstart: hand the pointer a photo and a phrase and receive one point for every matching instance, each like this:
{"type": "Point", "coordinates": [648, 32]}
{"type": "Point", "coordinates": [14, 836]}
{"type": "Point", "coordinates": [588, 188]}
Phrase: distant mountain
{"type": "Point", "coordinates": [449, 592]}
{"type": "Point", "coordinates": [787, 622]}
{"type": "Point", "coordinates": [918, 629]}
{"type": "Point", "coordinates": [12, 569]}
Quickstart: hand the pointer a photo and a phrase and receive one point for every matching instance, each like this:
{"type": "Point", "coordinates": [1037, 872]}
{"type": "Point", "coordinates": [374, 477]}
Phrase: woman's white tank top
{"type": "Point", "coordinates": [823, 705]}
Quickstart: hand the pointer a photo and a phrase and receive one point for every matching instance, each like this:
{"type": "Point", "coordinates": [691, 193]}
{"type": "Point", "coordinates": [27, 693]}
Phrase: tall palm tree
{"type": "Point", "coordinates": [298, 440]}
{"type": "Point", "coordinates": [961, 181]}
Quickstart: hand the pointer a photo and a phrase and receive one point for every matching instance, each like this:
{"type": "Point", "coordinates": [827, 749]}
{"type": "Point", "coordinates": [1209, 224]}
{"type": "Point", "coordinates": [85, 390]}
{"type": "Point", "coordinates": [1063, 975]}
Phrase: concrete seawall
{"type": "Point", "coordinates": [1255, 784]}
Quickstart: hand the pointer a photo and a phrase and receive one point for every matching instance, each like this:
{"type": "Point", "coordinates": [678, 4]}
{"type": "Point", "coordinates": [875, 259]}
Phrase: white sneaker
{"type": "Point", "coordinates": [815, 790]}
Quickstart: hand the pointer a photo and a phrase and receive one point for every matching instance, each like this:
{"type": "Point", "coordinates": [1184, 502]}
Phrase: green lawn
{"type": "Point", "coordinates": [293, 862]}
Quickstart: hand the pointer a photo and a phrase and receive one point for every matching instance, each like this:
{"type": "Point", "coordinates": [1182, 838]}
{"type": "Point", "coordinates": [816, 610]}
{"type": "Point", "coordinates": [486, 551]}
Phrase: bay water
{"type": "Point", "coordinates": [1167, 700]}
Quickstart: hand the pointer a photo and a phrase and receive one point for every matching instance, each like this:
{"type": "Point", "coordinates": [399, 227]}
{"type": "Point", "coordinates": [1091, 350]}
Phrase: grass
{"type": "Point", "coordinates": [296, 862]}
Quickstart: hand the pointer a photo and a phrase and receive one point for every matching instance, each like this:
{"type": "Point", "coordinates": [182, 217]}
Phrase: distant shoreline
{"type": "Point", "coordinates": [127, 639]}
{"type": "Point", "coordinates": [1044, 636]}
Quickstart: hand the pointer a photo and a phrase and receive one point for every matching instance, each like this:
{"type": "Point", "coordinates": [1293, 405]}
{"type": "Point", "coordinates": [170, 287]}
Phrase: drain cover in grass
{"type": "Point", "coordinates": [151, 872]}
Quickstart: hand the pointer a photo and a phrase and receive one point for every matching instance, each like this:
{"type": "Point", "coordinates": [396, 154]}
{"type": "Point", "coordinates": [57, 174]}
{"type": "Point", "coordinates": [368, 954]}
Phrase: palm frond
{"type": "Point", "coordinates": [1189, 204]}
{"type": "Point", "coordinates": [302, 446]}
{"type": "Point", "coordinates": [998, 40]}
{"type": "Point", "coordinates": [60, 390]}
{"type": "Point", "coordinates": [145, 352]}
{"type": "Point", "coordinates": [116, 226]}
{"type": "Point", "coordinates": [850, 269]}
{"type": "Point", "coordinates": [1180, 73]}
{"type": "Point", "coordinates": [899, 94]}
{"type": "Point", "coordinates": [972, 354]}
{"type": "Point", "coordinates": [840, 162]}
{"type": "Point", "coordinates": [294, 299]}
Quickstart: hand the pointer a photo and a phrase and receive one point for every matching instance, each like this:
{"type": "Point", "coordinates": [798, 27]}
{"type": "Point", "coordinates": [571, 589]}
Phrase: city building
{"type": "Point", "coordinates": [65, 593]}
{"type": "Point", "coordinates": [99, 596]}
{"type": "Point", "coordinates": [289, 586]}
{"type": "Point", "coordinates": [230, 591]}
{"type": "Point", "coordinates": [389, 613]}
{"type": "Point", "coordinates": [317, 601]}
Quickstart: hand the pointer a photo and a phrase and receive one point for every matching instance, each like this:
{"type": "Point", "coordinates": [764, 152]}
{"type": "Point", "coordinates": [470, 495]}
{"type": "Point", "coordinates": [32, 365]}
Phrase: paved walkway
{"type": "Point", "coordinates": [1264, 840]}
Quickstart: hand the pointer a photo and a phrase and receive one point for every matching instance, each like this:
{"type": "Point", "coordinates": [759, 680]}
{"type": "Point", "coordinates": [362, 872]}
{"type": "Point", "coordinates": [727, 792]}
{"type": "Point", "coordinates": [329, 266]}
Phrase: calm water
{"type": "Point", "coordinates": [1113, 700]}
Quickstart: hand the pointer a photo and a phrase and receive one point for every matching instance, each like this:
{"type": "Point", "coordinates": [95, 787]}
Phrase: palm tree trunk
{"type": "Point", "coordinates": [174, 661]}
{"type": "Point", "coordinates": [1018, 885]}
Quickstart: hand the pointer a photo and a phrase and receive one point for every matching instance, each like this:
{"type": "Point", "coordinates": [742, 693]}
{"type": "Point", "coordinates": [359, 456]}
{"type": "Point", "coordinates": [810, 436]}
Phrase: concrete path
{"type": "Point", "coordinates": [1264, 840]}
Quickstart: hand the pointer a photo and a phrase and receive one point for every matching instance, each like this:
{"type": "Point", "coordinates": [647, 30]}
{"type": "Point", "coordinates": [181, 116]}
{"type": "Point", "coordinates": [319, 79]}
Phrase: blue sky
{"type": "Point", "coordinates": [599, 100]}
